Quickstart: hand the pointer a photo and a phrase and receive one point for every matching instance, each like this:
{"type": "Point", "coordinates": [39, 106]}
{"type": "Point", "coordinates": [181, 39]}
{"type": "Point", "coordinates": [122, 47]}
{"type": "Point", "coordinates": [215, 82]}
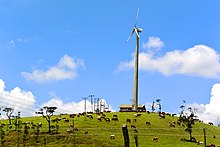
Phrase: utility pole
{"type": "Point", "coordinates": [204, 132]}
{"type": "Point", "coordinates": [126, 136]}
{"type": "Point", "coordinates": [85, 98]}
{"type": "Point", "coordinates": [91, 96]}
{"type": "Point", "coordinates": [96, 105]}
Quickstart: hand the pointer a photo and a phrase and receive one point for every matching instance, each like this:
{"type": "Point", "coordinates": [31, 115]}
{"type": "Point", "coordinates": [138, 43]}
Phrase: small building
{"type": "Point", "coordinates": [128, 108]}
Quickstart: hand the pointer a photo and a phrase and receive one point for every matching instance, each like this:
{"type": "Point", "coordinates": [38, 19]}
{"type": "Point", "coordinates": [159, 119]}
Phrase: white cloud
{"type": "Point", "coordinates": [14, 42]}
{"type": "Point", "coordinates": [65, 69]}
{"type": "Point", "coordinates": [18, 99]}
{"type": "Point", "coordinates": [72, 107]}
{"type": "Point", "coordinates": [24, 101]}
{"type": "Point", "coordinates": [210, 112]}
{"type": "Point", "coordinates": [153, 43]}
{"type": "Point", "coordinates": [199, 60]}
{"type": "Point", "coordinates": [11, 44]}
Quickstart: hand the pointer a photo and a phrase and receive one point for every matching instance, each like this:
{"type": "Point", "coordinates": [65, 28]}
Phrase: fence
{"type": "Point", "coordinates": [99, 136]}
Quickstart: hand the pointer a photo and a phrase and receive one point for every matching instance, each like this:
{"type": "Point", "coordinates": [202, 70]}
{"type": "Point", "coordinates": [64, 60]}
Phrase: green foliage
{"type": "Point", "coordinates": [88, 132]}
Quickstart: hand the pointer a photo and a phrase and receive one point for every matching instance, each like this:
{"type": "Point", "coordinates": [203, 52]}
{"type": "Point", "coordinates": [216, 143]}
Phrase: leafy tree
{"type": "Point", "coordinates": [17, 122]}
{"type": "Point", "coordinates": [8, 111]}
{"type": "Point", "coordinates": [159, 104]}
{"type": "Point", "coordinates": [153, 106]}
{"type": "Point", "coordinates": [182, 107]}
{"type": "Point", "coordinates": [188, 120]}
{"type": "Point", "coordinates": [47, 112]}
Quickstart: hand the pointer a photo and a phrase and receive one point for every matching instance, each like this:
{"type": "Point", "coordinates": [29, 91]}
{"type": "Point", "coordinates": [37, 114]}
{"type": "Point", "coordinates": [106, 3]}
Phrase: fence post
{"type": "Point", "coordinates": [204, 132]}
{"type": "Point", "coordinates": [126, 136]}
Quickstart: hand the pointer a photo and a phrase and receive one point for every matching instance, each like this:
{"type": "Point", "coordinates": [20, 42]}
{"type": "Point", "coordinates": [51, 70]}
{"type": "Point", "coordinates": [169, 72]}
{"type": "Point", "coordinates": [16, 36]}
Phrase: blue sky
{"type": "Point", "coordinates": [66, 50]}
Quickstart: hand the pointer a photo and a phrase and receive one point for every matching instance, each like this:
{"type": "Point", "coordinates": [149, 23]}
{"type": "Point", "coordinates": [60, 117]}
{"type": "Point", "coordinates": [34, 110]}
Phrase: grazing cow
{"type": "Point", "coordinates": [40, 124]}
{"type": "Point", "coordinates": [210, 123]}
{"type": "Point", "coordinates": [54, 120]}
{"type": "Point", "coordinates": [155, 139]}
{"type": "Point", "coordinates": [99, 118]}
{"type": "Point", "coordinates": [171, 125]}
{"type": "Point", "coordinates": [52, 127]}
{"type": "Point", "coordinates": [183, 139]}
{"type": "Point", "coordinates": [115, 115]}
{"type": "Point", "coordinates": [89, 116]}
{"type": "Point", "coordinates": [168, 114]}
{"type": "Point", "coordinates": [112, 137]}
{"type": "Point", "coordinates": [162, 116]}
{"type": "Point", "coordinates": [86, 132]}
{"type": "Point", "coordinates": [107, 119]}
{"type": "Point", "coordinates": [69, 131]}
{"type": "Point", "coordinates": [133, 126]}
{"type": "Point", "coordinates": [114, 119]}
{"type": "Point", "coordinates": [75, 129]}
{"type": "Point", "coordinates": [210, 145]}
{"type": "Point", "coordinates": [72, 115]}
{"type": "Point", "coordinates": [137, 115]}
{"type": "Point", "coordinates": [163, 113]}
{"type": "Point", "coordinates": [148, 123]}
{"type": "Point", "coordinates": [199, 142]}
{"type": "Point", "coordinates": [173, 115]}
{"type": "Point", "coordinates": [27, 127]}
{"type": "Point", "coordinates": [71, 125]}
{"type": "Point", "coordinates": [134, 120]}
{"type": "Point", "coordinates": [66, 120]}
{"type": "Point", "coordinates": [128, 120]}
{"type": "Point", "coordinates": [34, 125]}
{"type": "Point", "coordinates": [193, 139]}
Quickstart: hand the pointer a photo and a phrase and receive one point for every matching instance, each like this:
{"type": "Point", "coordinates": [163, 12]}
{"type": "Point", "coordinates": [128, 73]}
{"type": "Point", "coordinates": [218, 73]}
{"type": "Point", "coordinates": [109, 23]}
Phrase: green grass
{"type": "Point", "coordinates": [99, 132]}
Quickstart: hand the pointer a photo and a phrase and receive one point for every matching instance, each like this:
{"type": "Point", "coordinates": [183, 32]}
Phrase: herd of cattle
{"type": "Point", "coordinates": [102, 117]}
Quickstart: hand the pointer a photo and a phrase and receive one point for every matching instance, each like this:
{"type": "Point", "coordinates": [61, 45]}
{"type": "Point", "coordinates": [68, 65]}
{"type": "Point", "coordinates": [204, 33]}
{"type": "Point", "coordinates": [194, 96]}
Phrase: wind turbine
{"type": "Point", "coordinates": [135, 88]}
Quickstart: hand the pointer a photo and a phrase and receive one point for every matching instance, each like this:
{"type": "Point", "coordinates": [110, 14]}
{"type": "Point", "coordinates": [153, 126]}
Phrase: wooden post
{"type": "Point", "coordinates": [126, 136]}
{"type": "Point", "coordinates": [204, 132]}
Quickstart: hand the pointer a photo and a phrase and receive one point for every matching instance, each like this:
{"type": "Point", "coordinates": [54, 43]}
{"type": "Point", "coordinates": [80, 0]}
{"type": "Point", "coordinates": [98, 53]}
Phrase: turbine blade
{"type": "Point", "coordinates": [136, 31]}
{"type": "Point", "coordinates": [130, 35]}
{"type": "Point", "coordinates": [137, 14]}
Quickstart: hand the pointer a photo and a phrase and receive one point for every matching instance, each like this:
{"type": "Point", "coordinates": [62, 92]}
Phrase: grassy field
{"type": "Point", "coordinates": [94, 133]}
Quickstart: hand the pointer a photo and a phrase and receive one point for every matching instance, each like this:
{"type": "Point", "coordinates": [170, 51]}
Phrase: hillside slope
{"type": "Point", "coordinates": [90, 131]}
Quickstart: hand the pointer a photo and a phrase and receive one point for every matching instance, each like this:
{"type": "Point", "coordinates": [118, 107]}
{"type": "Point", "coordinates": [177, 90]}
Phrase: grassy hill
{"type": "Point", "coordinates": [95, 133]}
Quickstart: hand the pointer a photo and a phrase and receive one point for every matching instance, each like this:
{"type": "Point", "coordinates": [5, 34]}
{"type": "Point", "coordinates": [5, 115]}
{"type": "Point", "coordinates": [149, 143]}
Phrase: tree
{"type": "Point", "coordinates": [153, 106]}
{"type": "Point", "coordinates": [182, 107]}
{"type": "Point", "coordinates": [17, 122]}
{"type": "Point", "coordinates": [187, 119]}
{"type": "Point", "coordinates": [47, 112]}
{"type": "Point", "coordinates": [8, 111]}
{"type": "Point", "coordinates": [159, 104]}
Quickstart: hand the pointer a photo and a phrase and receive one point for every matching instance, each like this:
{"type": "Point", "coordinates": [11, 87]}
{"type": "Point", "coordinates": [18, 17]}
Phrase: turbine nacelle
{"type": "Point", "coordinates": [139, 30]}
{"type": "Point", "coordinates": [135, 29]}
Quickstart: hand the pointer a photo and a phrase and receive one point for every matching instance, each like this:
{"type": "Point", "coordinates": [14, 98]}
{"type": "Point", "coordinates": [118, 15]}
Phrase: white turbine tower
{"type": "Point", "coordinates": [135, 88]}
